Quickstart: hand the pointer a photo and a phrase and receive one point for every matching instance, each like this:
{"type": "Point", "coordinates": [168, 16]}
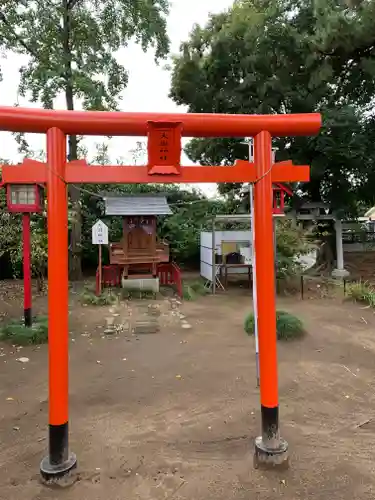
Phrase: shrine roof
{"type": "Point", "coordinates": [136, 205]}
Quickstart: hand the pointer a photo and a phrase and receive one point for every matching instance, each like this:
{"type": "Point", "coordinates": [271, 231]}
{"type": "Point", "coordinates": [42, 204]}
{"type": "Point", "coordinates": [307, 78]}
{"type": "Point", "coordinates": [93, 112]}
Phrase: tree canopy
{"type": "Point", "coordinates": [72, 45]}
{"type": "Point", "coordinates": [290, 56]}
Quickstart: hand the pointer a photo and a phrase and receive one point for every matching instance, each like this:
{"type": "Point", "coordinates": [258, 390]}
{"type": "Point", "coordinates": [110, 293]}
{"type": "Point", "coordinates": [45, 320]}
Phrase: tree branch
{"type": "Point", "coordinates": [357, 53]}
{"type": "Point", "coordinates": [25, 45]}
{"type": "Point", "coordinates": [72, 4]}
{"type": "Point", "coordinates": [17, 37]}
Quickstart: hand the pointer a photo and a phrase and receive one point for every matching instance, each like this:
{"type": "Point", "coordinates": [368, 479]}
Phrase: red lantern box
{"type": "Point", "coordinates": [25, 198]}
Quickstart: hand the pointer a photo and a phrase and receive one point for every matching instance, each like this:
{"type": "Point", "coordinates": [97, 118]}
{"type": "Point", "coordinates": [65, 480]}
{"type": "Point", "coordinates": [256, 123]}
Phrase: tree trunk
{"type": "Point", "coordinates": [325, 257]}
{"type": "Point", "coordinates": [40, 283]}
{"type": "Point", "coordinates": [75, 254]}
{"type": "Point", "coordinates": [313, 189]}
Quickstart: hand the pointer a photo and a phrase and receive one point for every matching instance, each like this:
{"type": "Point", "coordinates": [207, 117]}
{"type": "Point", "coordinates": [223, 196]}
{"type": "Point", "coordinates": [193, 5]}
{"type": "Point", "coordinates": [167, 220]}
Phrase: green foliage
{"type": "Point", "coordinates": [288, 326]}
{"type": "Point", "coordinates": [289, 56]}
{"type": "Point", "coordinates": [193, 289]}
{"type": "Point", "coordinates": [11, 240]}
{"type": "Point", "coordinates": [362, 292]}
{"type": "Point", "coordinates": [10, 233]}
{"type": "Point", "coordinates": [39, 249]}
{"type": "Point", "coordinates": [15, 332]}
{"type": "Point", "coordinates": [182, 229]}
{"type": "Point", "coordinates": [89, 297]}
{"type": "Point", "coordinates": [291, 242]}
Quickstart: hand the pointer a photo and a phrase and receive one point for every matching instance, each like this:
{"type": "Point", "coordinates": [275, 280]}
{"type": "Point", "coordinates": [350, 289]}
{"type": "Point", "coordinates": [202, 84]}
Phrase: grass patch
{"type": "Point", "coordinates": [89, 298]}
{"type": "Point", "coordinates": [15, 332]}
{"type": "Point", "coordinates": [361, 291]}
{"type": "Point", "coordinates": [192, 290]}
{"type": "Point", "coordinates": [288, 327]}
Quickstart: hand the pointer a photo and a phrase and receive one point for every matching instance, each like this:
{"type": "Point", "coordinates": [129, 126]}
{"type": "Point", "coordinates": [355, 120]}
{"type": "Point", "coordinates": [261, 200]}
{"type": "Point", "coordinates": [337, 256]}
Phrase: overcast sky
{"type": "Point", "coordinates": [148, 86]}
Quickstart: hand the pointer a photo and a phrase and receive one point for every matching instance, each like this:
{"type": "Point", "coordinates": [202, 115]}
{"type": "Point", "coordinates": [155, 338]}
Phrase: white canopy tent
{"type": "Point", "coordinates": [212, 241]}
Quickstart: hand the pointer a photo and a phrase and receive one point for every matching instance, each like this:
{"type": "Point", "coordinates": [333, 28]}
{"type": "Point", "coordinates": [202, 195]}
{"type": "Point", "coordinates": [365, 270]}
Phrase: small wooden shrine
{"type": "Point", "coordinates": [140, 251]}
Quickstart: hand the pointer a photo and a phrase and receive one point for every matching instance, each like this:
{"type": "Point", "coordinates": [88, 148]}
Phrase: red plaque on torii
{"type": "Point", "coordinates": [164, 148]}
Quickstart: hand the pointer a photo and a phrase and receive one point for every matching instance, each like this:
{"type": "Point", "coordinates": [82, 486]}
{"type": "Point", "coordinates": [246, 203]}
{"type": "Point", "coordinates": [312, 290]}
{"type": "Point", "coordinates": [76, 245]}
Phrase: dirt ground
{"type": "Point", "coordinates": [173, 415]}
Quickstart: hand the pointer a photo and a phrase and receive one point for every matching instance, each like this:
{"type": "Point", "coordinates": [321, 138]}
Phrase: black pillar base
{"type": "Point", "coordinates": [50, 471]}
{"type": "Point", "coordinates": [27, 314]}
{"type": "Point", "coordinates": [269, 458]}
{"type": "Point", "coordinates": [270, 450]}
{"type": "Point", "coordinates": [59, 461]}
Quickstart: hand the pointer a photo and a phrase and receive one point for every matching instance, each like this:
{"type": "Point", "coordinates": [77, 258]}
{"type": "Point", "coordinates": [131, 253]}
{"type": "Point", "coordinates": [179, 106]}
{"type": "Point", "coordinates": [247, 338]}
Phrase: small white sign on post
{"type": "Point", "coordinates": [100, 233]}
{"type": "Point", "coordinates": [100, 237]}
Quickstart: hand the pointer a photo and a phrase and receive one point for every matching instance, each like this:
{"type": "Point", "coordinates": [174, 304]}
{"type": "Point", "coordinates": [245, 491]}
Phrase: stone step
{"type": "Point", "coordinates": [145, 327]}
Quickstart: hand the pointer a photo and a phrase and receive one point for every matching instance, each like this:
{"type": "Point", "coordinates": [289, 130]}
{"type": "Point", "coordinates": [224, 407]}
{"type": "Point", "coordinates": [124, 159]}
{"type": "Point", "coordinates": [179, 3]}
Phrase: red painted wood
{"type": "Point", "coordinates": [26, 234]}
{"type": "Point", "coordinates": [79, 172]}
{"type": "Point", "coordinates": [33, 120]}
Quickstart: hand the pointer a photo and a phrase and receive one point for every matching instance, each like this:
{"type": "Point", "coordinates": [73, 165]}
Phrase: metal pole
{"type": "Point", "coordinates": [59, 460]}
{"type": "Point", "coordinates": [26, 269]}
{"type": "Point", "coordinates": [275, 251]}
{"type": "Point", "coordinates": [250, 144]}
{"type": "Point", "coordinates": [270, 449]}
{"type": "Point", "coordinates": [213, 257]}
{"type": "Point", "coordinates": [100, 269]}
{"type": "Point", "coordinates": [255, 305]}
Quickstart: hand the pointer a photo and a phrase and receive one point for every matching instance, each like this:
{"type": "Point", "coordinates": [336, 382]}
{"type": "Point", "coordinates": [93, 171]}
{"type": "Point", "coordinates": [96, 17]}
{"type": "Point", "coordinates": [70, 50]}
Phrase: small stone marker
{"type": "Point", "coordinates": [146, 326]}
{"type": "Point", "coordinates": [23, 360]}
{"type": "Point", "coordinates": [154, 310]}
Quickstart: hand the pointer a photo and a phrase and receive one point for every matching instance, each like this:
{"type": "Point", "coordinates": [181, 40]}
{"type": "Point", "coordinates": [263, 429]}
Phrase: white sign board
{"type": "Point", "coordinates": [100, 233]}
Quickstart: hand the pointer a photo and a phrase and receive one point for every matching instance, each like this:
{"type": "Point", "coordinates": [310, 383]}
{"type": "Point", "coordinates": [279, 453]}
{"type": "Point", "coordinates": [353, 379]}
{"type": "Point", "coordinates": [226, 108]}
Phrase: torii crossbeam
{"type": "Point", "coordinates": [164, 132]}
{"type": "Point", "coordinates": [79, 172]}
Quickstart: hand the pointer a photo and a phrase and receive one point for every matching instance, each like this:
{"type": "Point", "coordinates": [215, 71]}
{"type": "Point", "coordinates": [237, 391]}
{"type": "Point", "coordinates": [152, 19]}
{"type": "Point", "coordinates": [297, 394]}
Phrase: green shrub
{"type": "Point", "coordinates": [89, 297]}
{"type": "Point", "coordinates": [361, 291]}
{"type": "Point", "coordinates": [192, 290]}
{"type": "Point", "coordinates": [15, 332]}
{"type": "Point", "coordinates": [249, 325]}
{"type": "Point", "coordinates": [291, 242]}
{"type": "Point", "coordinates": [188, 293]}
{"type": "Point", "coordinates": [287, 326]}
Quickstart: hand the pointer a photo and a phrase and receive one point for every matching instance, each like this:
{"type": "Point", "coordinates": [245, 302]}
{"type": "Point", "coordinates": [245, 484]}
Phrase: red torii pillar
{"type": "Point", "coordinates": [164, 133]}
{"type": "Point", "coordinates": [266, 304]}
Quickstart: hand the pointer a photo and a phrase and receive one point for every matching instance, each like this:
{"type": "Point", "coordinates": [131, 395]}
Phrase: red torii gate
{"type": "Point", "coordinates": [164, 132]}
